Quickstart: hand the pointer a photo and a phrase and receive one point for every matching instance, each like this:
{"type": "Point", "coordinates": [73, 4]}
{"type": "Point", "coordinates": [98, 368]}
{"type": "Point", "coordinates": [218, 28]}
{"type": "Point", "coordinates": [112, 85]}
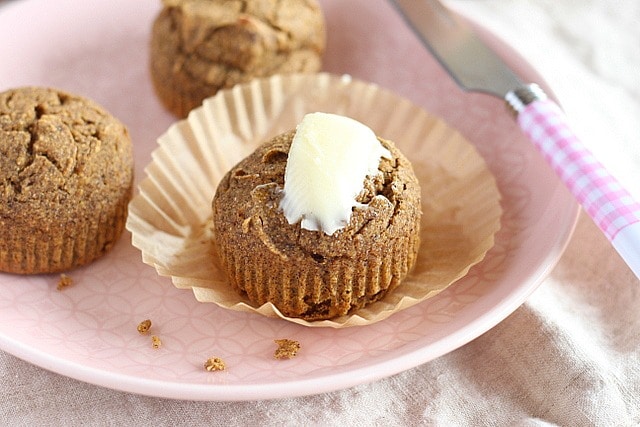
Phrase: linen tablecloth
{"type": "Point", "coordinates": [569, 356]}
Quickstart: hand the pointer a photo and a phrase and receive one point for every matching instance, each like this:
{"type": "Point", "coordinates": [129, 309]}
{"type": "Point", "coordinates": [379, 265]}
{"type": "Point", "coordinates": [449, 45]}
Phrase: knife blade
{"type": "Point", "coordinates": [476, 67]}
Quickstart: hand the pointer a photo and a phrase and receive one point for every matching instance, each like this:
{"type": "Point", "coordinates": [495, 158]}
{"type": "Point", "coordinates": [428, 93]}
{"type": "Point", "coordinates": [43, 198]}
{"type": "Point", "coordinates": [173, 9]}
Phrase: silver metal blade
{"type": "Point", "coordinates": [454, 43]}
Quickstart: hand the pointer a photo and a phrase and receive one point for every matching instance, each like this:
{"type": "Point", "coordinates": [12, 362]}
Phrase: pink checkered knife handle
{"type": "Point", "coordinates": [611, 207]}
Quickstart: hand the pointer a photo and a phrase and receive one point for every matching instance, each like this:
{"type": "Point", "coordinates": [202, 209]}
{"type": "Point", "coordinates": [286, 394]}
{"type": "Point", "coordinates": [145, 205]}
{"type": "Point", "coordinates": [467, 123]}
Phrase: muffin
{"type": "Point", "coordinates": [201, 46]}
{"type": "Point", "coordinates": [305, 272]}
{"type": "Point", "coordinates": [66, 176]}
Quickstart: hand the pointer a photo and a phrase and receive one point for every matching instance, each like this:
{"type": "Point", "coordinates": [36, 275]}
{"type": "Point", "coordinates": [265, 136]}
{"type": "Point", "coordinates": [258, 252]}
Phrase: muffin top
{"type": "Point", "coordinates": [248, 199]}
{"type": "Point", "coordinates": [245, 35]}
{"type": "Point", "coordinates": [61, 157]}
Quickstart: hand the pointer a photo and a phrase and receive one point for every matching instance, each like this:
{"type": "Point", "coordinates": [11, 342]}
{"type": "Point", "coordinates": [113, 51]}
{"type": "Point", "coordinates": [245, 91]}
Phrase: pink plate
{"type": "Point", "coordinates": [99, 49]}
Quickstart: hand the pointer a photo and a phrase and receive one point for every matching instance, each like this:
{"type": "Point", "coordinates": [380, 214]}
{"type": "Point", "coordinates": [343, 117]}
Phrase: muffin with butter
{"type": "Point", "coordinates": [319, 221]}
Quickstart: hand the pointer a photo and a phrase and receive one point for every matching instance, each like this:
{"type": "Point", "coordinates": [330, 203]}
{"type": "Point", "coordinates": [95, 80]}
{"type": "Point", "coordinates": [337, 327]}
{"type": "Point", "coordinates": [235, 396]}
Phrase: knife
{"type": "Point", "coordinates": [475, 67]}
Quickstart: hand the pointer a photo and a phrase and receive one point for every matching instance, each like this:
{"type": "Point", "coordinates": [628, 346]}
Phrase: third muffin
{"type": "Point", "coordinates": [201, 46]}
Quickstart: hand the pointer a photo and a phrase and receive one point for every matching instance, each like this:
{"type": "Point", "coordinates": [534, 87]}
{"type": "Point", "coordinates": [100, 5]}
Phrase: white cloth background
{"type": "Point", "coordinates": [570, 356]}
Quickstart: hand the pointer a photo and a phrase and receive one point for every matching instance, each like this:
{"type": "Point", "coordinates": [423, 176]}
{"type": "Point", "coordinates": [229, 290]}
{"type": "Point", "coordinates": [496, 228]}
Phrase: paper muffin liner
{"type": "Point", "coordinates": [170, 218]}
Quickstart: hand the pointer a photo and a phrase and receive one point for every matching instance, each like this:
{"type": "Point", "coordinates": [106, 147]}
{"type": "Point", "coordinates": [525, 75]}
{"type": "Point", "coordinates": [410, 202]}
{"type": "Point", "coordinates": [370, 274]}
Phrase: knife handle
{"type": "Point", "coordinates": [611, 207]}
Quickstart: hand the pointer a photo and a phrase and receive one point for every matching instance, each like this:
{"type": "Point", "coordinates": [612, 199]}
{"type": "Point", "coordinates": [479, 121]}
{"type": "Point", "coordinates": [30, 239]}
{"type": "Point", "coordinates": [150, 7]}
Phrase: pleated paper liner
{"type": "Point", "coordinates": [170, 218]}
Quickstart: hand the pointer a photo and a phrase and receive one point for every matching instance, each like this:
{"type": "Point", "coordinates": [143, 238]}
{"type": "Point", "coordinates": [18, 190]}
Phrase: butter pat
{"type": "Point", "coordinates": [329, 159]}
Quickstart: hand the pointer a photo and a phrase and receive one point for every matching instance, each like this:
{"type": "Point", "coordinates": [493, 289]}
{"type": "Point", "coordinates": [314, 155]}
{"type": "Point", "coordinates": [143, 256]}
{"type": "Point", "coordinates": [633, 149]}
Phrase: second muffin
{"type": "Point", "coordinates": [66, 177]}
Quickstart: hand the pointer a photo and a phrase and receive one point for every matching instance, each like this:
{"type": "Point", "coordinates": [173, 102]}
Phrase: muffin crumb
{"type": "Point", "coordinates": [144, 326]}
{"type": "Point", "coordinates": [156, 342]}
{"type": "Point", "coordinates": [214, 364]}
{"type": "Point", "coordinates": [287, 348]}
{"type": "Point", "coordinates": [64, 282]}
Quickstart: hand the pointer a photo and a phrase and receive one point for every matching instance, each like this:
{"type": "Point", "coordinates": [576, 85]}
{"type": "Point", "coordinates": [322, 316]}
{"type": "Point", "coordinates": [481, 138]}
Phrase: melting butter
{"type": "Point", "coordinates": [329, 159]}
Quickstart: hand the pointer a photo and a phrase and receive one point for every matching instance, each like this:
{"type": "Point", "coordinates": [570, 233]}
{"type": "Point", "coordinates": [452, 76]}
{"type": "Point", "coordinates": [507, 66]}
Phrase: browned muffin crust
{"type": "Point", "coordinates": [308, 274]}
{"type": "Point", "coordinates": [201, 46]}
{"type": "Point", "coordinates": [66, 175]}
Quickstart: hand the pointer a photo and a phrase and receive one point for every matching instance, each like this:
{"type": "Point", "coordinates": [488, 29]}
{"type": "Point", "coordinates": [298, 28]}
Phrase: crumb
{"type": "Point", "coordinates": [214, 364]}
{"type": "Point", "coordinates": [286, 349]}
{"type": "Point", "coordinates": [144, 326]}
{"type": "Point", "coordinates": [155, 341]}
{"type": "Point", "coordinates": [64, 282]}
